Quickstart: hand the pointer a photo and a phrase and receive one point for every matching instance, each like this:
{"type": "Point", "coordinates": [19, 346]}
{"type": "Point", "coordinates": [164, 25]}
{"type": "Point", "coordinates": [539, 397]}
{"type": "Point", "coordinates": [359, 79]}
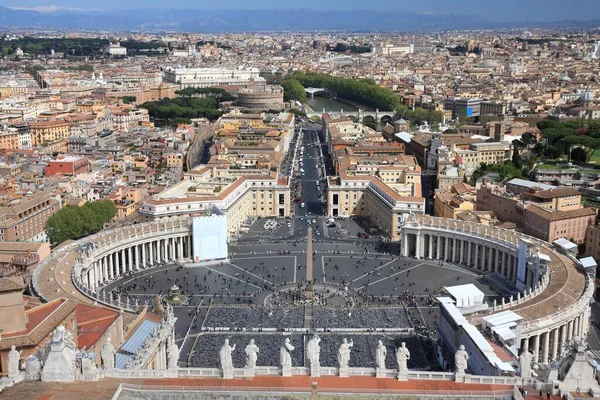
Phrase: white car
{"type": "Point", "coordinates": [302, 205]}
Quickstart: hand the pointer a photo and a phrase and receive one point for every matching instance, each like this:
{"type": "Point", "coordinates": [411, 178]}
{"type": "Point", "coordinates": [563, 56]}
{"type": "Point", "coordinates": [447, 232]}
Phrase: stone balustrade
{"type": "Point", "coordinates": [553, 296]}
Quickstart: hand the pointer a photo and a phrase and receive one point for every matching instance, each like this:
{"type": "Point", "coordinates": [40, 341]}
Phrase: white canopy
{"type": "Point", "coordinates": [466, 295]}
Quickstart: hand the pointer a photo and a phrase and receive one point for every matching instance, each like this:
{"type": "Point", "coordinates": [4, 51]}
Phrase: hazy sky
{"type": "Point", "coordinates": [503, 10]}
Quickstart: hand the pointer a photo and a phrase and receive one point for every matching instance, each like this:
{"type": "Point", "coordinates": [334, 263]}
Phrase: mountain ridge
{"type": "Point", "coordinates": [259, 20]}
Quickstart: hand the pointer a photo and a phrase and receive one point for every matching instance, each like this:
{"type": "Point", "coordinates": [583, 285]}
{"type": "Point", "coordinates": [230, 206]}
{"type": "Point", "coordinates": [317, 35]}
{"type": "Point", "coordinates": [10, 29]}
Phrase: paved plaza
{"type": "Point", "coordinates": [360, 284]}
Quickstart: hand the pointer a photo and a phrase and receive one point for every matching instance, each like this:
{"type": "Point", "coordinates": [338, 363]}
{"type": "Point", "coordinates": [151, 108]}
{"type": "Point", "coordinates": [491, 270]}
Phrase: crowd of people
{"type": "Point", "coordinates": [363, 352]}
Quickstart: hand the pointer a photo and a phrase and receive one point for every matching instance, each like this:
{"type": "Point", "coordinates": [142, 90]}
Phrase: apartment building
{"type": "Point", "coordinates": [24, 220]}
{"type": "Point", "coordinates": [67, 165]}
{"type": "Point", "coordinates": [253, 141]}
{"type": "Point", "coordinates": [370, 198]}
{"type": "Point", "coordinates": [48, 131]}
{"type": "Point", "coordinates": [241, 196]}
{"type": "Point", "coordinates": [449, 203]}
{"type": "Point", "coordinates": [479, 153]}
{"type": "Point", "coordinates": [549, 225]}
{"type": "Point", "coordinates": [211, 77]}
{"type": "Point", "coordinates": [545, 214]}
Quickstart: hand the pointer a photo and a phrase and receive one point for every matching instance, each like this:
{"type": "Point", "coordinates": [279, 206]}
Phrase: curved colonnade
{"type": "Point", "coordinates": [106, 256]}
{"type": "Point", "coordinates": [556, 296]}
{"type": "Point", "coordinates": [555, 302]}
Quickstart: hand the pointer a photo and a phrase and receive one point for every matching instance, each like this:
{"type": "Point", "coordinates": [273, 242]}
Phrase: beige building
{"type": "Point", "coordinates": [545, 214]}
{"type": "Point", "coordinates": [592, 242]}
{"type": "Point", "coordinates": [49, 131]}
{"type": "Point", "coordinates": [369, 197]}
{"type": "Point", "coordinates": [550, 225]}
{"type": "Point", "coordinates": [450, 203]}
{"type": "Point", "coordinates": [237, 193]}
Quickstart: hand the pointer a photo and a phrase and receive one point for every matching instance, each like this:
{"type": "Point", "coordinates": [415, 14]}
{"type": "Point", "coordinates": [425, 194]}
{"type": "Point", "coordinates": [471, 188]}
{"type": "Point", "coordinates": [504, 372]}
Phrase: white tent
{"type": "Point", "coordinates": [466, 295]}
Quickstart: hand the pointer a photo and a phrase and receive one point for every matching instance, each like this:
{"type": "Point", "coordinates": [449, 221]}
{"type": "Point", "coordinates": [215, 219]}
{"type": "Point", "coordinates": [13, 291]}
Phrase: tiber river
{"type": "Point", "coordinates": [318, 103]}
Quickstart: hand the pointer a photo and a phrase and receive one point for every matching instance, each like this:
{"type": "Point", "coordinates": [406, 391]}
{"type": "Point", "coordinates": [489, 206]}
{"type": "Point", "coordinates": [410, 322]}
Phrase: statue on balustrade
{"type": "Point", "coordinates": [173, 356]}
{"type": "Point", "coordinates": [225, 357]}
{"type": "Point", "coordinates": [14, 356]}
{"type": "Point", "coordinates": [380, 354]}
{"type": "Point", "coordinates": [344, 353]}
{"type": "Point", "coordinates": [402, 357]}
{"type": "Point", "coordinates": [108, 355]}
{"type": "Point", "coordinates": [314, 352]}
{"type": "Point", "coordinates": [285, 353]}
{"type": "Point", "coordinates": [251, 351]}
{"type": "Point", "coordinates": [461, 358]}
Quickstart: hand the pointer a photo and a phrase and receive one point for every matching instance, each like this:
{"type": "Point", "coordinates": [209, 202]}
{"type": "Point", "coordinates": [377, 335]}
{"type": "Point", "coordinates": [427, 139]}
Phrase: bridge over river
{"type": "Point", "coordinates": [360, 115]}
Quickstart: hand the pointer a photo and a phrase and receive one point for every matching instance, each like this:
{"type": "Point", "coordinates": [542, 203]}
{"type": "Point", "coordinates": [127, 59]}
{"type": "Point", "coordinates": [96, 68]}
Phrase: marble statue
{"type": "Point", "coordinates": [108, 355]}
{"type": "Point", "coordinates": [13, 362]}
{"type": "Point", "coordinates": [225, 358]}
{"type": "Point", "coordinates": [58, 334]}
{"type": "Point", "coordinates": [461, 357]}
{"type": "Point", "coordinates": [344, 353]}
{"type": "Point", "coordinates": [285, 353]}
{"type": "Point", "coordinates": [525, 360]}
{"type": "Point", "coordinates": [251, 351]}
{"type": "Point", "coordinates": [314, 352]}
{"type": "Point", "coordinates": [380, 354]}
{"type": "Point", "coordinates": [402, 357]}
{"type": "Point", "coordinates": [33, 368]}
{"type": "Point", "coordinates": [173, 356]}
{"type": "Point", "coordinates": [68, 339]}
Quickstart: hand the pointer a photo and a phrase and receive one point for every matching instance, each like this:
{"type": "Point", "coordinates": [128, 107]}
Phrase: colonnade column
{"type": "Point", "coordinates": [536, 347]}
{"type": "Point", "coordinates": [143, 255]}
{"type": "Point", "coordinates": [497, 263]}
{"type": "Point", "coordinates": [111, 273]}
{"type": "Point", "coordinates": [462, 252]}
{"type": "Point", "coordinates": [129, 260]}
{"type": "Point", "coordinates": [446, 248]}
{"type": "Point", "coordinates": [104, 268]}
{"type": "Point", "coordinates": [469, 254]}
{"type": "Point", "coordinates": [438, 254]}
{"type": "Point", "coordinates": [430, 255]}
{"type": "Point", "coordinates": [546, 346]}
{"type": "Point", "coordinates": [454, 246]}
{"type": "Point", "coordinates": [563, 336]}
{"type": "Point", "coordinates": [554, 351]}
{"type": "Point", "coordinates": [181, 247]}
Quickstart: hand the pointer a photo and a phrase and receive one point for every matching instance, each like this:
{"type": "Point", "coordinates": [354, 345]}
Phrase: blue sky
{"type": "Point", "coordinates": [503, 10]}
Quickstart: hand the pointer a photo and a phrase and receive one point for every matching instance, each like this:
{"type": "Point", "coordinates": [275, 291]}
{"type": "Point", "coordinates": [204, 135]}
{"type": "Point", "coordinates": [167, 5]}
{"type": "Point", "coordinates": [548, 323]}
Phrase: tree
{"type": "Point", "coordinates": [516, 158]}
{"type": "Point", "coordinates": [293, 90]}
{"type": "Point", "coordinates": [361, 91]}
{"type": "Point", "coordinates": [72, 222]}
{"type": "Point", "coordinates": [128, 99]}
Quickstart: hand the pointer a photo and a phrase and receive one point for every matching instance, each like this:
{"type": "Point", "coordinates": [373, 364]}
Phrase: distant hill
{"type": "Point", "coordinates": [256, 20]}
